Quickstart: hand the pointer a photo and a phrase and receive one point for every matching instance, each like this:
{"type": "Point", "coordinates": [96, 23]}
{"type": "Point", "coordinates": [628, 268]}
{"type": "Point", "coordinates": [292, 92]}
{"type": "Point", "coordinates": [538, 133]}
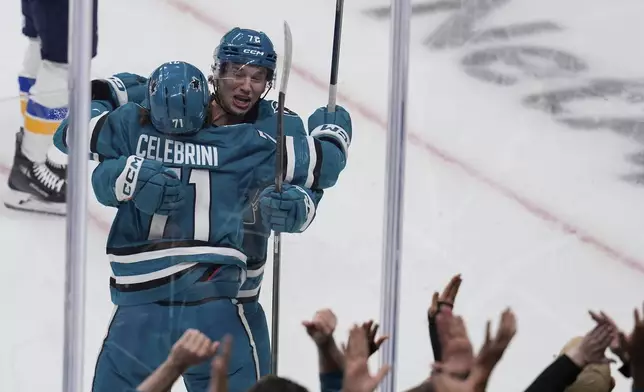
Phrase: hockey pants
{"type": "Point", "coordinates": [140, 337]}
{"type": "Point", "coordinates": [49, 21]}
{"type": "Point", "coordinates": [256, 319]}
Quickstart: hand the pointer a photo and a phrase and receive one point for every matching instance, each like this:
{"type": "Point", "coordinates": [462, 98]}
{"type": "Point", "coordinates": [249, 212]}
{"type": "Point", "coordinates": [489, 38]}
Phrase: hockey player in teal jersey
{"type": "Point", "coordinates": [175, 246]}
{"type": "Point", "coordinates": [244, 66]}
{"type": "Point", "coordinates": [243, 70]}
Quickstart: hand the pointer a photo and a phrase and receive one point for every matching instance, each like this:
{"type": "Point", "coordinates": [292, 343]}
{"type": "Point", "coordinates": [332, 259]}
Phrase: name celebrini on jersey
{"type": "Point", "coordinates": [176, 152]}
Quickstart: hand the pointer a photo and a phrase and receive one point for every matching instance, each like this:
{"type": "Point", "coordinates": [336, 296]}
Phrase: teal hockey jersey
{"type": "Point", "coordinates": [126, 87]}
{"type": "Point", "coordinates": [154, 257]}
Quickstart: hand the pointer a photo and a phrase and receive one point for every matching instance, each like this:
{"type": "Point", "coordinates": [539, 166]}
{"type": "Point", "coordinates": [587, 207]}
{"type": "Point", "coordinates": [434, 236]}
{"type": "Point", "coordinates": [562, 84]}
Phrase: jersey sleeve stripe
{"type": "Point", "coordinates": [177, 252]}
{"type": "Point", "coordinates": [135, 279]}
{"type": "Point", "coordinates": [157, 227]}
{"type": "Point", "coordinates": [317, 168]}
{"type": "Point", "coordinates": [310, 209]}
{"type": "Point", "coordinates": [289, 148]}
{"type": "Point", "coordinates": [156, 283]}
{"type": "Point", "coordinates": [254, 273]}
{"type": "Point", "coordinates": [249, 293]}
{"type": "Point", "coordinates": [95, 126]}
{"type": "Point", "coordinates": [147, 247]}
{"type": "Point", "coordinates": [312, 162]}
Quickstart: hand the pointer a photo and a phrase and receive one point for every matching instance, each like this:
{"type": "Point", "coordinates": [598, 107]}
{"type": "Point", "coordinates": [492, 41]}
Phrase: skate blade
{"type": "Point", "coordinates": [23, 201]}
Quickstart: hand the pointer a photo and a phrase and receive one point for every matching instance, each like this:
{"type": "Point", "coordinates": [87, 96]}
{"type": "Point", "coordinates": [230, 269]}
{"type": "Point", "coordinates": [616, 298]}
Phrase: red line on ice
{"type": "Point", "coordinates": [416, 140]}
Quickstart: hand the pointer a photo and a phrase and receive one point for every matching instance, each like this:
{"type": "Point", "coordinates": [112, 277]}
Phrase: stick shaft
{"type": "Point", "coordinates": [279, 175]}
{"type": "Point", "coordinates": [335, 56]}
{"type": "Point", "coordinates": [277, 239]}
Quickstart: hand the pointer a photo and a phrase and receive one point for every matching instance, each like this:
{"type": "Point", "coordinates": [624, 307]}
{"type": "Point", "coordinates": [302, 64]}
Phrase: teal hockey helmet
{"type": "Point", "coordinates": [178, 98]}
{"type": "Point", "coordinates": [246, 47]}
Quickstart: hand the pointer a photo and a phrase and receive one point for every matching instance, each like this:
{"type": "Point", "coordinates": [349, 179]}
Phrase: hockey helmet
{"type": "Point", "coordinates": [178, 98]}
{"type": "Point", "coordinates": [245, 46]}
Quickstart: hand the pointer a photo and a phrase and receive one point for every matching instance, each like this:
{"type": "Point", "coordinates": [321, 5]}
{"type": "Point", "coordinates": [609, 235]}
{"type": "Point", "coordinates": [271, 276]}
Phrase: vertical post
{"type": "Point", "coordinates": [394, 184]}
{"type": "Point", "coordinates": [80, 57]}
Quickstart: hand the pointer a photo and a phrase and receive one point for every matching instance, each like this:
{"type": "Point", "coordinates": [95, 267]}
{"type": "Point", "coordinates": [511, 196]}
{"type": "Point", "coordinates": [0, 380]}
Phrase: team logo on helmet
{"type": "Point", "coordinates": [153, 87]}
{"type": "Point", "coordinates": [195, 83]}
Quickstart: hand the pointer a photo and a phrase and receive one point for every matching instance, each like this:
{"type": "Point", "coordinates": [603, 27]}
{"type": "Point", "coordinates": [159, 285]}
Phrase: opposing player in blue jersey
{"type": "Point", "coordinates": [176, 243]}
{"type": "Point", "coordinates": [38, 178]}
{"type": "Point", "coordinates": [242, 73]}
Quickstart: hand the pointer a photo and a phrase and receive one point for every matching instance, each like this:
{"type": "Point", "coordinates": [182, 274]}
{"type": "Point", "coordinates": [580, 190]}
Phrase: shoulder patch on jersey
{"type": "Point", "coordinates": [287, 111]}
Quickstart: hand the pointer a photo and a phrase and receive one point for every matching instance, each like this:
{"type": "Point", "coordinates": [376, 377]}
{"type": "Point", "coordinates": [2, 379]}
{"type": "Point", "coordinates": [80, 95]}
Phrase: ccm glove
{"type": "Point", "coordinates": [120, 89]}
{"type": "Point", "coordinates": [335, 127]}
{"type": "Point", "coordinates": [152, 187]}
{"type": "Point", "coordinates": [289, 211]}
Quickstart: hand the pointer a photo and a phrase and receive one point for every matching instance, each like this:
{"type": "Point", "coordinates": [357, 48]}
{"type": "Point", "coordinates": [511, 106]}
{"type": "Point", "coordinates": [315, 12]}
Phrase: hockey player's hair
{"type": "Point", "coordinates": [144, 117]}
{"type": "Point", "coordinates": [277, 384]}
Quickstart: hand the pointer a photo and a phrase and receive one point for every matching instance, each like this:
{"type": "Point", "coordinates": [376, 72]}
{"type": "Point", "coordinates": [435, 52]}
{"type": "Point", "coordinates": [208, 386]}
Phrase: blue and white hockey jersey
{"type": "Point", "coordinates": [154, 257]}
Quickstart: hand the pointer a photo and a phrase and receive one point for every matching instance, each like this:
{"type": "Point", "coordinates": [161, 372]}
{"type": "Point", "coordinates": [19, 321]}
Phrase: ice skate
{"type": "Point", "coordinates": [36, 187]}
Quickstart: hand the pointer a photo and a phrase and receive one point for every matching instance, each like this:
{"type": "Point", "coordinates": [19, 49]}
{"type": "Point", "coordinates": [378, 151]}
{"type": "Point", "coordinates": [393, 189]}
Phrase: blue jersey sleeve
{"type": "Point", "coordinates": [294, 126]}
{"type": "Point", "coordinates": [308, 162]}
{"type": "Point", "coordinates": [104, 179]}
{"type": "Point", "coordinates": [311, 162]}
{"type": "Point", "coordinates": [327, 151]}
{"type": "Point", "coordinates": [102, 126]}
{"type": "Point", "coordinates": [61, 134]}
{"type": "Point", "coordinates": [109, 132]}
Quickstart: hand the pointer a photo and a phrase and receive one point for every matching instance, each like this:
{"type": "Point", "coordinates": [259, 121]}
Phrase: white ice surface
{"type": "Point", "coordinates": [533, 215]}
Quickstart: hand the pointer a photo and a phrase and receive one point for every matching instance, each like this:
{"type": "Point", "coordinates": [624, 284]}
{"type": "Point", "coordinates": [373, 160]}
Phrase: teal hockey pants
{"type": "Point", "coordinates": [140, 337]}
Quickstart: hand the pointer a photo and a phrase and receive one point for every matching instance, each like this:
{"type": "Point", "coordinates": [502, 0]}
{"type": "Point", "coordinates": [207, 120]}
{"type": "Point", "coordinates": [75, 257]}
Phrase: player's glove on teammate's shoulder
{"type": "Point", "coordinates": [152, 187]}
{"type": "Point", "coordinates": [289, 211]}
{"type": "Point", "coordinates": [335, 127]}
{"type": "Point", "coordinates": [120, 89]}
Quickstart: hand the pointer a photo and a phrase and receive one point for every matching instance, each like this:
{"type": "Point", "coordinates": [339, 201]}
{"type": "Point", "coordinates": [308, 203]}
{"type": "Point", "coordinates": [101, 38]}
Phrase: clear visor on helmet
{"type": "Point", "coordinates": [241, 71]}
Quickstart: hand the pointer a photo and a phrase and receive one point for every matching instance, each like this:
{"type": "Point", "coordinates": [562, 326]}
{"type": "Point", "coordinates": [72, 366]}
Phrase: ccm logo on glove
{"type": "Point", "coordinates": [335, 132]}
{"type": "Point", "coordinates": [126, 182]}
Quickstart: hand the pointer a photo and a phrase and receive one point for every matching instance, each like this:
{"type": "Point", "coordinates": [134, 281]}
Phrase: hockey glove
{"type": "Point", "coordinates": [335, 127]}
{"type": "Point", "coordinates": [289, 211]}
{"type": "Point", "coordinates": [152, 187]}
{"type": "Point", "coordinates": [120, 89]}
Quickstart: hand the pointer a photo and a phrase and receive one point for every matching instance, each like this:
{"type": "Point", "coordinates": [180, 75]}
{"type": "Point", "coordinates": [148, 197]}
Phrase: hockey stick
{"type": "Point", "coordinates": [279, 173]}
{"type": "Point", "coordinates": [335, 56]}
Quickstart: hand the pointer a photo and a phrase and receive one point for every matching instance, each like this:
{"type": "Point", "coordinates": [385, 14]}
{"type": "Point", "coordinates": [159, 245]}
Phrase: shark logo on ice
{"type": "Point", "coordinates": [522, 62]}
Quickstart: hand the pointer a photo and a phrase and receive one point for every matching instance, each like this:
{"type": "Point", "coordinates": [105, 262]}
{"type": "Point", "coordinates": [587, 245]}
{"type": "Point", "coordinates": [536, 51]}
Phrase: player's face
{"type": "Point", "coordinates": [241, 86]}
